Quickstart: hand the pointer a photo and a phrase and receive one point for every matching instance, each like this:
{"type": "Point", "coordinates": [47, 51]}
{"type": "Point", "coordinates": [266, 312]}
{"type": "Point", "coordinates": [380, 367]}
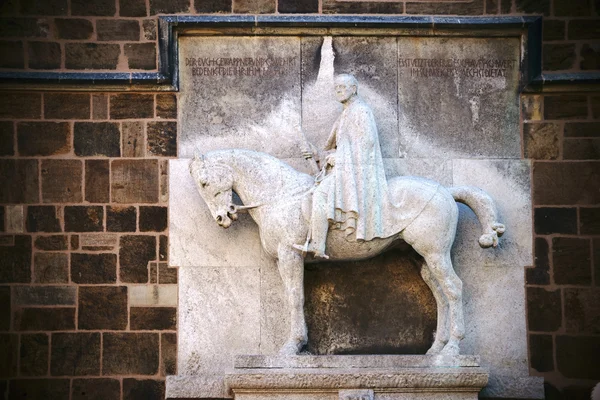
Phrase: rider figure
{"type": "Point", "coordinates": [354, 194]}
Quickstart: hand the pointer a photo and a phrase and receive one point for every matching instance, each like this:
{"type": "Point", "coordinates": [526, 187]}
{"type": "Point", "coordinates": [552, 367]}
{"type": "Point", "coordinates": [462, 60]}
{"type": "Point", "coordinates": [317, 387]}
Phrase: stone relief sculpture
{"type": "Point", "coordinates": [349, 211]}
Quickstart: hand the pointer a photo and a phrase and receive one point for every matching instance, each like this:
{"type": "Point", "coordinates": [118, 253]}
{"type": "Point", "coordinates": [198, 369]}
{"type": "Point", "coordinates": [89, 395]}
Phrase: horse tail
{"type": "Point", "coordinates": [483, 206]}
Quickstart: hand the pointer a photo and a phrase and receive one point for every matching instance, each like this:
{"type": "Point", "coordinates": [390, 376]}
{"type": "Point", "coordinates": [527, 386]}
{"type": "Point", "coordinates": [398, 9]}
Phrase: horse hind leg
{"type": "Point", "coordinates": [441, 334]}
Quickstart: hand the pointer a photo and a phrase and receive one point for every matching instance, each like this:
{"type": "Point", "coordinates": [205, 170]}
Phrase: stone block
{"type": "Point", "coordinates": [542, 352]}
{"type": "Point", "coordinates": [549, 220]}
{"type": "Point", "coordinates": [554, 29]}
{"type": "Point", "coordinates": [97, 139]}
{"type": "Point", "coordinates": [163, 167]}
{"type": "Point", "coordinates": [571, 260]}
{"type": "Point", "coordinates": [133, 8]}
{"type": "Point", "coordinates": [99, 106]}
{"type": "Point", "coordinates": [582, 129]}
{"type": "Point", "coordinates": [7, 146]}
{"type": "Point", "coordinates": [95, 8]}
{"type": "Point", "coordinates": [130, 353]}
{"type": "Point", "coordinates": [584, 29]}
{"type": "Point", "coordinates": [42, 219]}
{"type": "Point", "coordinates": [166, 105]}
{"type": "Point", "coordinates": [473, 8]}
{"type": "Point", "coordinates": [166, 274]}
{"type": "Point", "coordinates": [575, 8]}
{"type": "Point", "coordinates": [44, 55]}
{"type": "Point", "coordinates": [169, 6]}
{"type": "Point", "coordinates": [73, 28]}
{"type": "Point", "coordinates": [15, 221]}
{"type": "Point", "coordinates": [539, 275]}
{"type": "Point", "coordinates": [16, 261]}
{"type": "Point", "coordinates": [131, 105]}
{"type": "Point", "coordinates": [49, 7]}
{"type": "Point", "coordinates": [121, 219]}
{"type": "Point", "coordinates": [149, 29]}
{"type": "Point", "coordinates": [39, 389]}
{"type": "Point", "coordinates": [143, 389]}
{"type": "Point", "coordinates": [50, 268]}
{"type": "Point", "coordinates": [23, 27]}
{"type": "Point", "coordinates": [133, 140]}
{"type": "Point", "coordinates": [153, 318]}
{"type": "Point", "coordinates": [576, 356]}
{"type": "Point", "coordinates": [117, 29]}
{"type": "Point", "coordinates": [84, 218]}
{"type": "Point", "coordinates": [91, 55]}
{"type": "Point", "coordinates": [153, 272]}
{"type": "Point", "coordinates": [254, 6]}
{"type": "Point", "coordinates": [589, 57]}
{"type": "Point", "coordinates": [152, 295]}
{"type": "Point", "coordinates": [135, 252]}
{"type": "Point", "coordinates": [5, 311]}
{"type": "Point", "coordinates": [531, 107]}
{"type": "Point", "coordinates": [582, 311]}
{"type": "Point", "coordinates": [542, 140]}
{"type": "Point", "coordinates": [102, 307]}
{"type": "Point", "coordinates": [162, 138]}
{"type": "Point", "coordinates": [303, 6]}
{"type": "Point", "coordinates": [33, 355]}
{"type": "Point", "coordinates": [45, 319]}
{"type": "Point", "coordinates": [93, 268]}
{"type": "Point", "coordinates": [565, 107]}
{"type": "Point", "coordinates": [566, 183]}
{"type": "Point", "coordinates": [97, 181]}
{"type": "Point", "coordinates": [44, 295]}
{"type": "Point", "coordinates": [134, 181]}
{"type": "Point", "coordinates": [589, 221]}
{"type": "Point", "coordinates": [153, 218]}
{"type": "Point", "coordinates": [533, 7]}
{"type": "Point", "coordinates": [544, 309]}
{"type": "Point", "coordinates": [21, 105]}
{"type": "Point", "coordinates": [141, 55]}
{"type": "Point", "coordinates": [168, 354]}
{"type": "Point", "coordinates": [43, 138]}
{"type": "Point", "coordinates": [51, 243]}
{"type": "Point", "coordinates": [96, 389]}
{"type": "Point", "coordinates": [98, 242]}
{"type": "Point", "coordinates": [20, 181]}
{"type": "Point", "coordinates": [163, 248]}
{"type": "Point", "coordinates": [558, 57]}
{"type": "Point", "coordinates": [61, 181]}
{"type": "Point", "coordinates": [9, 354]}
{"type": "Point", "coordinates": [331, 6]}
{"type": "Point", "coordinates": [75, 354]}
{"type": "Point", "coordinates": [13, 55]}
{"type": "Point", "coordinates": [212, 6]}
{"type": "Point", "coordinates": [581, 149]}
{"type": "Point", "coordinates": [191, 225]}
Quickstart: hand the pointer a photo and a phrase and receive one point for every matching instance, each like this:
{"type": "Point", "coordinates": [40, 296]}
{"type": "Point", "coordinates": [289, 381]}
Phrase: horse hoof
{"type": "Point", "coordinates": [450, 349]}
{"type": "Point", "coordinates": [289, 349]}
{"type": "Point", "coordinates": [436, 348]}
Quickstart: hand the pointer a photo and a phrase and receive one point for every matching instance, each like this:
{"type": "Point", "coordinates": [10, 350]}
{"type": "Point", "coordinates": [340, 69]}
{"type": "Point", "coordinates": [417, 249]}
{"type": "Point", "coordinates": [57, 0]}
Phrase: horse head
{"type": "Point", "coordinates": [214, 181]}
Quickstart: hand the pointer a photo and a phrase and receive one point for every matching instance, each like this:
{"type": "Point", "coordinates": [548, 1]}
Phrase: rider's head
{"type": "Point", "coordinates": [346, 87]}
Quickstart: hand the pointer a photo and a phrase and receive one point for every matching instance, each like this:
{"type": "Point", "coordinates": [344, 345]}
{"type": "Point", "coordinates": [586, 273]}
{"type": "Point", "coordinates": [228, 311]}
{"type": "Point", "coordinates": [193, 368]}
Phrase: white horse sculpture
{"type": "Point", "coordinates": [278, 199]}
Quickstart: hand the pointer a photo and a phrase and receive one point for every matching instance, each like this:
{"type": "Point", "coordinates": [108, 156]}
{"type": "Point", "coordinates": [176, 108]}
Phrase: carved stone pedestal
{"type": "Point", "coordinates": [383, 377]}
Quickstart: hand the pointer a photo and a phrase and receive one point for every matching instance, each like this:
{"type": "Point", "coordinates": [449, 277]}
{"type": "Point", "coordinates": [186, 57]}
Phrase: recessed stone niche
{"type": "Point", "coordinates": [446, 109]}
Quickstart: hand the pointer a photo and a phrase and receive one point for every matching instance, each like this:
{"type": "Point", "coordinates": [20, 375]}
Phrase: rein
{"type": "Point", "coordinates": [244, 208]}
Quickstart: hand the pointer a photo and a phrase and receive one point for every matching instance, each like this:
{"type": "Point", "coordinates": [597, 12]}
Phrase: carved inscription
{"type": "Point", "coordinates": [240, 66]}
{"type": "Point", "coordinates": [462, 67]}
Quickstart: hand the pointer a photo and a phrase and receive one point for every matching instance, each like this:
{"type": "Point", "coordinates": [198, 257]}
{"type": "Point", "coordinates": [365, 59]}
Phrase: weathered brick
{"type": "Point", "coordinates": [74, 28]}
{"type": "Point", "coordinates": [153, 295]}
{"type": "Point", "coordinates": [153, 218]}
{"type": "Point", "coordinates": [472, 8]}
{"type": "Point", "coordinates": [99, 106]}
{"type": "Point", "coordinates": [16, 261]}
{"type": "Point", "coordinates": [166, 105]}
{"type": "Point", "coordinates": [44, 295]}
{"type": "Point", "coordinates": [7, 133]}
{"type": "Point", "coordinates": [554, 29]}
{"type": "Point", "coordinates": [97, 181]}
{"type": "Point", "coordinates": [163, 248]}
{"type": "Point", "coordinates": [589, 221]}
{"type": "Point", "coordinates": [16, 27]}
{"type": "Point", "coordinates": [572, 8]}
{"type": "Point", "coordinates": [141, 55]}
{"type": "Point", "coordinates": [571, 261]}
{"type": "Point", "coordinates": [50, 268]}
{"type": "Point", "coordinates": [566, 183]}
{"type": "Point", "coordinates": [542, 140]}
{"type": "Point", "coordinates": [135, 252]}
{"type": "Point", "coordinates": [149, 29]}
{"type": "Point", "coordinates": [581, 149]}
{"type": "Point", "coordinates": [589, 57]}
{"type": "Point", "coordinates": [93, 268]}
{"type": "Point", "coordinates": [2, 227]}
{"type": "Point", "coordinates": [44, 55]}
{"type": "Point", "coordinates": [539, 274]}
{"type": "Point", "coordinates": [133, 139]}
{"type": "Point", "coordinates": [565, 107]}
{"type": "Point", "coordinates": [75, 354]}
{"type": "Point", "coordinates": [34, 354]}
{"type": "Point", "coordinates": [131, 105]}
{"type": "Point", "coordinates": [12, 55]}
{"type": "Point", "coordinates": [14, 219]}
{"type": "Point", "coordinates": [117, 29]}
{"type": "Point", "coordinates": [46, 7]}
{"type": "Point", "coordinates": [121, 219]}
{"type": "Point", "coordinates": [45, 319]}
{"type": "Point", "coordinates": [162, 138]}
{"type": "Point", "coordinates": [9, 350]}
{"type": "Point", "coordinates": [42, 219]}
{"type": "Point", "coordinates": [492, 6]}
{"type": "Point", "coordinates": [164, 180]}
{"type": "Point", "coordinates": [595, 100]}
{"type": "Point", "coordinates": [21, 105]}
{"type": "Point", "coordinates": [168, 354]}
{"type": "Point", "coordinates": [212, 6]}
{"type": "Point", "coordinates": [51, 243]}
{"type": "Point", "coordinates": [134, 181]}
{"type": "Point", "coordinates": [143, 389]}
{"type": "Point", "coordinates": [133, 8]}
{"type": "Point", "coordinates": [5, 311]}
{"type": "Point", "coordinates": [582, 311]}
{"type": "Point", "coordinates": [96, 389]}
{"type": "Point", "coordinates": [583, 29]}
{"type": "Point", "coordinates": [61, 181]}
{"type": "Point", "coordinates": [542, 354]}
{"type": "Point", "coordinates": [43, 138]}
{"type": "Point", "coordinates": [555, 220]}
{"type": "Point", "coordinates": [153, 272]}
{"type": "Point", "coordinates": [130, 354]}
{"type": "Point", "coordinates": [169, 6]}
{"type": "Point", "coordinates": [98, 241]}
{"type": "Point", "coordinates": [67, 106]}
{"type": "Point", "coordinates": [39, 389]}
{"type": "Point", "coordinates": [543, 309]}
{"type": "Point", "coordinates": [582, 129]}
{"type": "Point", "coordinates": [301, 6]}
{"type": "Point", "coordinates": [533, 6]}
{"type": "Point", "coordinates": [577, 356]}
{"type": "Point", "coordinates": [93, 8]}
{"type": "Point", "coordinates": [153, 318]}
{"type": "Point", "coordinates": [91, 55]}
{"type": "Point", "coordinates": [84, 218]}
{"type": "Point", "coordinates": [558, 57]}
{"type": "Point", "coordinates": [97, 139]}
{"type": "Point", "coordinates": [102, 307]}
{"type": "Point", "coordinates": [19, 181]}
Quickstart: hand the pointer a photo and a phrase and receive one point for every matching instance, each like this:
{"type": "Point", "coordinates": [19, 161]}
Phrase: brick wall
{"type": "Point", "coordinates": [83, 197]}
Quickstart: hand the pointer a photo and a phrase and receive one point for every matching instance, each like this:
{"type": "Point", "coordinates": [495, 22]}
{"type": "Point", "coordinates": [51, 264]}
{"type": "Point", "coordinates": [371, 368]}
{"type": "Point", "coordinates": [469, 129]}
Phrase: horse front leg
{"type": "Point", "coordinates": [291, 269]}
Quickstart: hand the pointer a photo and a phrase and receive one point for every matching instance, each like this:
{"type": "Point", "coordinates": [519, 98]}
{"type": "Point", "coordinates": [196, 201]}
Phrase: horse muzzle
{"type": "Point", "coordinates": [223, 220]}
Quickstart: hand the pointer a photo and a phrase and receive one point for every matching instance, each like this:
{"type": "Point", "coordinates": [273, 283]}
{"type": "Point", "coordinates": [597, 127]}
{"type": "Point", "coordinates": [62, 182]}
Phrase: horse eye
{"type": "Point", "coordinates": [204, 184]}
